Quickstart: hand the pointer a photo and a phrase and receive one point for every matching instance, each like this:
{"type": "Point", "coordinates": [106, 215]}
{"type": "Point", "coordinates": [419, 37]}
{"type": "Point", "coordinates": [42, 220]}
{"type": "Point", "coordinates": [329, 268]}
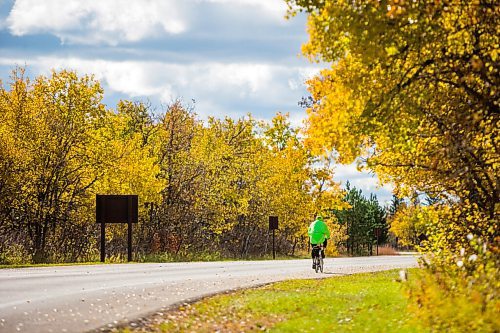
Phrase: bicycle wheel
{"type": "Point", "coordinates": [320, 264]}
{"type": "Point", "coordinates": [316, 267]}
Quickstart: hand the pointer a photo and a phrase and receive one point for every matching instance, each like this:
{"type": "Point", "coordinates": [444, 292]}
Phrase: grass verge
{"type": "Point", "coordinates": [50, 265]}
{"type": "Point", "coordinates": [372, 302]}
{"type": "Point", "coordinates": [156, 259]}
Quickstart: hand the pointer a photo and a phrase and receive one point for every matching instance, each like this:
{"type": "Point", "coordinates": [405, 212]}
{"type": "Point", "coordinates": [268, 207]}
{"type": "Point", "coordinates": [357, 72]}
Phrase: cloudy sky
{"type": "Point", "coordinates": [231, 56]}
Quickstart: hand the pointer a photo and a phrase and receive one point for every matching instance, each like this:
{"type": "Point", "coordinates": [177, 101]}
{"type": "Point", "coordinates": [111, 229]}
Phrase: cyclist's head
{"type": "Point", "coordinates": [319, 217]}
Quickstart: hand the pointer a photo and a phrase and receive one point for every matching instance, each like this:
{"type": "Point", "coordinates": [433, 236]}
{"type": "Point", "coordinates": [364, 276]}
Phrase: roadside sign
{"type": "Point", "coordinates": [116, 209]}
{"type": "Point", "coordinates": [273, 222]}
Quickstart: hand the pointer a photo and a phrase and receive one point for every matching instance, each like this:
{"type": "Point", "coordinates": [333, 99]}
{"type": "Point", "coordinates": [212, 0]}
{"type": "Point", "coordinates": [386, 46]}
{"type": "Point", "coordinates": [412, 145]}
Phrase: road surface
{"type": "Point", "coordinates": [85, 298]}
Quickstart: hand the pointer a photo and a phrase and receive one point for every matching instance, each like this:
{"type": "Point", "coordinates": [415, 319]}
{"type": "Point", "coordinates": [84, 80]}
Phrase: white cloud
{"type": "Point", "coordinates": [95, 21]}
{"type": "Point", "coordinates": [115, 21]}
{"type": "Point", "coordinates": [248, 78]}
{"type": "Point", "coordinates": [293, 84]}
{"type": "Point", "coordinates": [307, 73]}
{"type": "Point", "coordinates": [247, 84]}
{"type": "Point", "coordinates": [297, 118]}
{"type": "Point", "coordinates": [126, 77]}
{"type": "Point", "coordinates": [276, 8]}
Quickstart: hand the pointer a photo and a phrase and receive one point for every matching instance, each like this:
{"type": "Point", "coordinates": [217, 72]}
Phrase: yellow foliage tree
{"type": "Point", "coordinates": [412, 93]}
{"type": "Point", "coordinates": [411, 224]}
{"type": "Point", "coordinates": [50, 125]}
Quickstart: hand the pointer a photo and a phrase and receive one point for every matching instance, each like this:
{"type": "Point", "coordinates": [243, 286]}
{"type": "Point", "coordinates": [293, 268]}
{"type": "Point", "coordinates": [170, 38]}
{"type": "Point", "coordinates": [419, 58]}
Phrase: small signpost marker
{"type": "Point", "coordinates": [377, 232]}
{"type": "Point", "coordinates": [116, 209]}
{"type": "Point", "coordinates": [273, 225]}
{"type": "Point", "coordinates": [103, 241]}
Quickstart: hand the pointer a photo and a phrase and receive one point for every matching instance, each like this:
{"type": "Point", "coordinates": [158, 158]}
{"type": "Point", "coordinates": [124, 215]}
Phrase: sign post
{"type": "Point", "coordinates": [273, 225]}
{"type": "Point", "coordinates": [116, 209]}
{"type": "Point", "coordinates": [103, 241]}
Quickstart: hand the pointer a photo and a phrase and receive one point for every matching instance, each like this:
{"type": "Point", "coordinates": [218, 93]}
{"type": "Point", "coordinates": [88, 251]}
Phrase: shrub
{"type": "Point", "coordinates": [387, 250]}
{"type": "Point", "coordinates": [14, 254]}
{"type": "Point", "coordinates": [462, 296]}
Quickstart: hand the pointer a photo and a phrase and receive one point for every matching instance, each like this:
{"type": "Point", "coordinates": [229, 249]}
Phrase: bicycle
{"type": "Point", "coordinates": [318, 258]}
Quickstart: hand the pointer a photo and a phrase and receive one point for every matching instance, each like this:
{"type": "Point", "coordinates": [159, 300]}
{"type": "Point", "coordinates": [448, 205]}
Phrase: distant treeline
{"type": "Point", "coordinates": [204, 187]}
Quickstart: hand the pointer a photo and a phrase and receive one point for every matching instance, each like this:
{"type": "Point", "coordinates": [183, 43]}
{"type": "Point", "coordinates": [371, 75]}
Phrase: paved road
{"type": "Point", "coordinates": [83, 298]}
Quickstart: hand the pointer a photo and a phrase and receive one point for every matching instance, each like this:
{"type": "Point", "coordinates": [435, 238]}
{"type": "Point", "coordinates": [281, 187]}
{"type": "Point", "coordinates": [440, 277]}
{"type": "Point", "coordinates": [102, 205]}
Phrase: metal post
{"type": "Point", "coordinates": [274, 252]}
{"type": "Point", "coordinates": [129, 215]}
{"type": "Point", "coordinates": [103, 241]}
{"type": "Point", "coordinates": [377, 242]}
{"type": "Point", "coordinates": [129, 254]}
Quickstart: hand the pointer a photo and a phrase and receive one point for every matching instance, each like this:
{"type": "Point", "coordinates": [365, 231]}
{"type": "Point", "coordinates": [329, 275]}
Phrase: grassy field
{"type": "Point", "coordinates": [49, 265]}
{"type": "Point", "coordinates": [154, 259]}
{"type": "Point", "coordinates": [371, 302]}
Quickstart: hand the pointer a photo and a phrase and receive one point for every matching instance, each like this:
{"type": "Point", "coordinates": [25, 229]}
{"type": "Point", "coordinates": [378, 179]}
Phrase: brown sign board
{"type": "Point", "coordinates": [378, 232]}
{"type": "Point", "coordinates": [273, 222]}
{"type": "Point", "coordinates": [117, 208]}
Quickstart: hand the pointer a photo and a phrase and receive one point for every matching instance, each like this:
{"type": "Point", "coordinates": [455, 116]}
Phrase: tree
{"type": "Point", "coordinates": [127, 145]}
{"type": "Point", "coordinates": [361, 217]}
{"type": "Point", "coordinates": [411, 224]}
{"type": "Point", "coordinates": [396, 203]}
{"type": "Point", "coordinates": [413, 91]}
{"type": "Point", "coordinates": [51, 123]}
{"type": "Point", "coordinates": [287, 185]}
{"type": "Point", "coordinates": [178, 215]}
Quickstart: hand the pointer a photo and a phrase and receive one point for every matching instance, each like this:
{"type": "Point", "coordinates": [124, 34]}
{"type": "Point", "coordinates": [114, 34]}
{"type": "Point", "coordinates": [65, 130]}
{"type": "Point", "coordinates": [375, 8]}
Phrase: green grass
{"type": "Point", "coordinates": [372, 302]}
{"type": "Point", "coordinates": [212, 257]}
{"type": "Point", "coordinates": [164, 258]}
{"type": "Point", "coordinates": [50, 265]}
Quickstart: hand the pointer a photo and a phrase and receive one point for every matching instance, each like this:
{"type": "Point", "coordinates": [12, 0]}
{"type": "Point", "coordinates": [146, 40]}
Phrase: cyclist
{"type": "Point", "coordinates": [318, 233]}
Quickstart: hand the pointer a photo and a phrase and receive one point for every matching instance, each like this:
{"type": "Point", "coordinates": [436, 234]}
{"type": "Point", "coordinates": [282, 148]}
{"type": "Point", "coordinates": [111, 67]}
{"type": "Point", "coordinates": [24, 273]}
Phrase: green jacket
{"type": "Point", "coordinates": [318, 231]}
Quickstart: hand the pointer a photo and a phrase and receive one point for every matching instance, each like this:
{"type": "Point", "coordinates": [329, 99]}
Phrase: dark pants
{"type": "Point", "coordinates": [314, 252]}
